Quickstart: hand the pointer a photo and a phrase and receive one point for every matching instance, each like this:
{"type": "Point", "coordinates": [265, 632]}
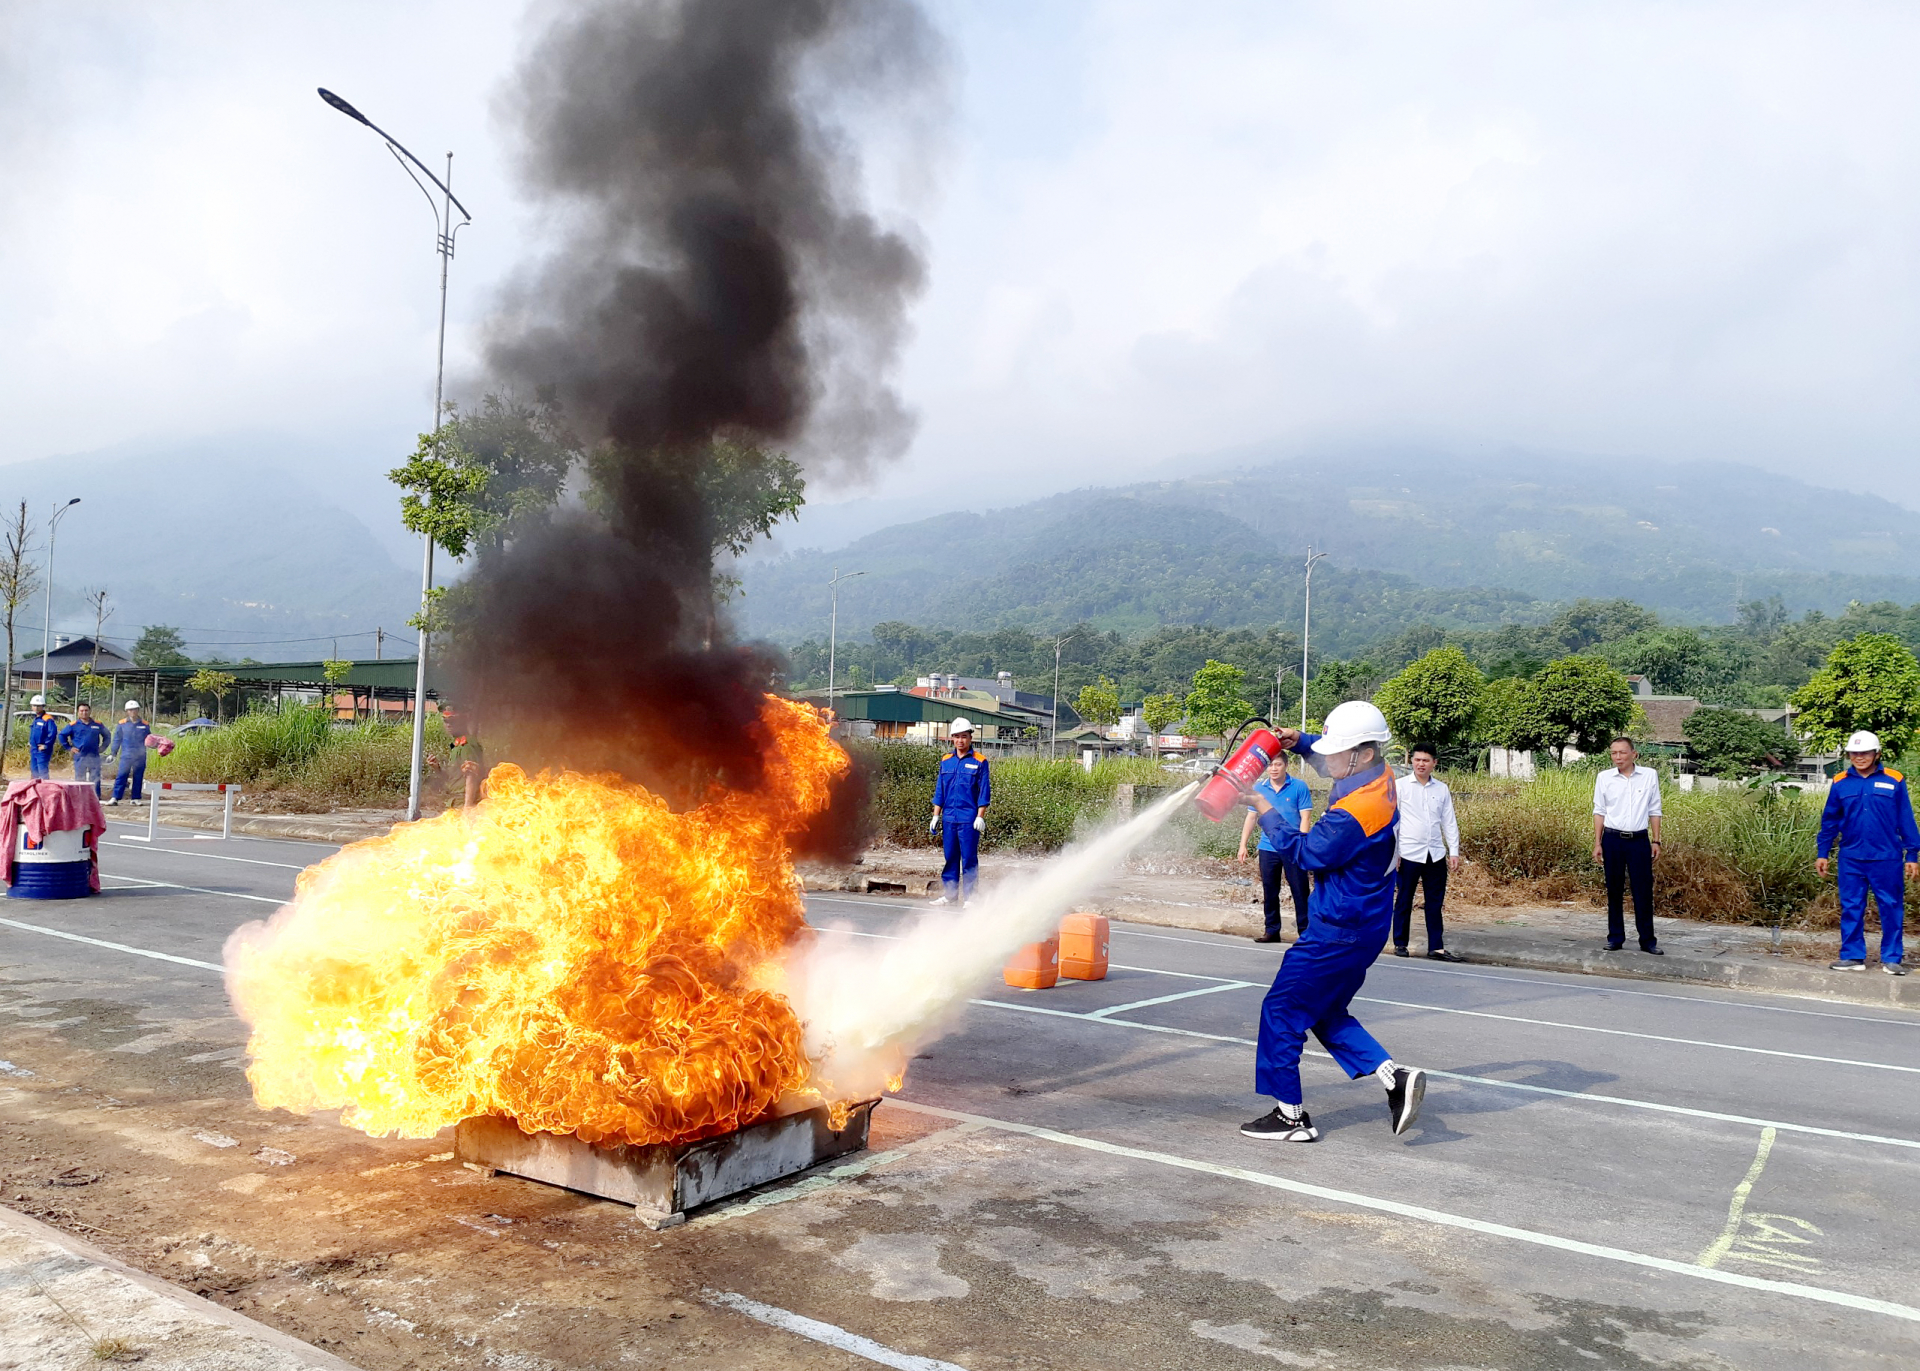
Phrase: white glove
{"type": "Point", "coordinates": [979, 823]}
{"type": "Point", "coordinates": [933, 824]}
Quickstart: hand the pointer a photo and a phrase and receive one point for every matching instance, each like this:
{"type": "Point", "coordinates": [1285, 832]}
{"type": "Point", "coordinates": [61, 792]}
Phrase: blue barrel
{"type": "Point", "coordinates": [58, 868]}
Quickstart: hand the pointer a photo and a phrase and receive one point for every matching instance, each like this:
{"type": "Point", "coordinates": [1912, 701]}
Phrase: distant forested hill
{"type": "Point", "coordinates": [1412, 539]}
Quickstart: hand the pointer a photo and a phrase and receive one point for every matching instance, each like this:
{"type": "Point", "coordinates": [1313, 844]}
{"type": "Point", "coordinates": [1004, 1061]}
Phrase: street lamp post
{"type": "Point", "coordinates": [46, 631]}
{"type": "Point", "coordinates": [444, 231]}
{"type": "Point", "coordinates": [1053, 737]}
{"type": "Point", "coordinates": [1306, 634]}
{"type": "Point", "coordinates": [833, 632]}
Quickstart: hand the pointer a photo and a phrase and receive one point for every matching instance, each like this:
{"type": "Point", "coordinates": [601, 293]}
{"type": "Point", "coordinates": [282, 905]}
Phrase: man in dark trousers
{"type": "Point", "coordinates": [1429, 849]}
{"type": "Point", "coordinates": [1870, 814]}
{"type": "Point", "coordinates": [1288, 794]}
{"type": "Point", "coordinates": [961, 794]}
{"type": "Point", "coordinates": [1350, 853]}
{"type": "Point", "coordinates": [85, 738]}
{"type": "Point", "coordinates": [1626, 841]}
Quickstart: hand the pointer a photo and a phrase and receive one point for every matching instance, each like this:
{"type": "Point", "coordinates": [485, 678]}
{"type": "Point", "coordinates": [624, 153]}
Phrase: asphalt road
{"type": "Point", "coordinates": [1605, 1174]}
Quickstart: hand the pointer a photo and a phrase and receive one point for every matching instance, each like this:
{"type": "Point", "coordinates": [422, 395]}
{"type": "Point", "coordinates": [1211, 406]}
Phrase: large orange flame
{"type": "Point", "coordinates": [572, 954]}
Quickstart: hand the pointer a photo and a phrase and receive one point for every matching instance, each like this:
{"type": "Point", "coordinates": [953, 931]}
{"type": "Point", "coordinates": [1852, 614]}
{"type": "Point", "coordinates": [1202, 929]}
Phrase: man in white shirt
{"type": "Point", "coordinates": [1429, 847]}
{"type": "Point", "coordinates": [1626, 840]}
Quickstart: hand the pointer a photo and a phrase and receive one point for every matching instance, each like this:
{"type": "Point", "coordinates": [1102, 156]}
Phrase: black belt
{"type": "Point", "coordinates": [1623, 833]}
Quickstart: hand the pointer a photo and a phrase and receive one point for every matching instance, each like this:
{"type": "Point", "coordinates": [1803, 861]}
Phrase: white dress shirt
{"type": "Point", "coordinates": [1625, 802]}
{"type": "Point", "coordinates": [1428, 830]}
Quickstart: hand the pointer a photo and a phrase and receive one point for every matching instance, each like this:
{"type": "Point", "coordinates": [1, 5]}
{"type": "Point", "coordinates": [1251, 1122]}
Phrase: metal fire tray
{"type": "Point", "coordinates": [663, 1181]}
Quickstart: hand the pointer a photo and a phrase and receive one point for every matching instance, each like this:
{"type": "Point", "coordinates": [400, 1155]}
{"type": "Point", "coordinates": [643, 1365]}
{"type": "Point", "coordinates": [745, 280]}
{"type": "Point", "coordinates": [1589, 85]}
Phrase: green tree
{"type": "Point", "coordinates": [446, 492]}
{"type": "Point", "coordinates": [1217, 703]}
{"type": "Point", "coordinates": [1160, 713]}
{"type": "Point", "coordinates": [1870, 681]}
{"type": "Point", "coordinates": [1578, 700]}
{"type": "Point", "coordinates": [525, 451]}
{"type": "Point", "coordinates": [1588, 623]}
{"type": "Point", "coordinates": [1728, 743]}
{"type": "Point", "coordinates": [1677, 661]}
{"type": "Point", "coordinates": [159, 645]}
{"type": "Point", "coordinates": [19, 580]}
{"type": "Point", "coordinates": [1497, 722]}
{"type": "Point", "coordinates": [1434, 700]}
{"type": "Point", "coordinates": [207, 681]}
{"type": "Point", "coordinates": [1099, 703]}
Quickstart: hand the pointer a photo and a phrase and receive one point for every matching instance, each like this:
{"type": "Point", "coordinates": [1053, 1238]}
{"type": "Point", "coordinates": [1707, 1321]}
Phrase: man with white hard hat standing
{"type": "Point", "coordinates": [1869, 812]}
{"type": "Point", "coordinates": [1351, 854]}
{"type": "Point", "coordinates": [43, 731]}
{"type": "Point", "coordinates": [130, 746]}
{"type": "Point", "coordinates": [961, 794]}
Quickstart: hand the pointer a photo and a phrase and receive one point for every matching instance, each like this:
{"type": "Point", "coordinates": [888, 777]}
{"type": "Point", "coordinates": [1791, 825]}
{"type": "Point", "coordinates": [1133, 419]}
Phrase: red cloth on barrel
{"type": "Point", "coordinates": [51, 807]}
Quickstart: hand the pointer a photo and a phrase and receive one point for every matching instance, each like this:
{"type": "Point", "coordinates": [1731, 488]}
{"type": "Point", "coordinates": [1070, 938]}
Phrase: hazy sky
{"type": "Point", "coordinates": [1658, 230]}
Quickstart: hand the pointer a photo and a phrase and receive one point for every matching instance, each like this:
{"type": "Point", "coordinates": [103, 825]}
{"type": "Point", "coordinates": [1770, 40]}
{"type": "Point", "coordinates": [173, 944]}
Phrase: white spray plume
{"type": "Point", "coordinates": [867, 1004]}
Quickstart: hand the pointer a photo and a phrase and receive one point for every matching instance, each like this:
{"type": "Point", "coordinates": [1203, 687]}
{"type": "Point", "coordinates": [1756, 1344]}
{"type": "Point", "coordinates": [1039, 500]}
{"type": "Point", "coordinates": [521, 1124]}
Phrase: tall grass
{"type": "Point", "coordinates": [299, 756]}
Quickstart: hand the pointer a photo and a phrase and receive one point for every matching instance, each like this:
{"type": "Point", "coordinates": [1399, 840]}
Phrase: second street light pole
{"type": "Point", "coordinates": [46, 632]}
{"type": "Point", "coordinates": [1306, 634]}
{"type": "Point", "coordinates": [833, 633]}
{"type": "Point", "coordinates": [444, 231]}
{"type": "Point", "coordinates": [1054, 737]}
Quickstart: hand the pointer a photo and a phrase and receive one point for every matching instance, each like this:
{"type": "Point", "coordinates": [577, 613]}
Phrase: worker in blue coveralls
{"type": "Point", "coordinates": [85, 737]}
{"type": "Point", "coordinates": [130, 746]}
{"type": "Point", "coordinates": [1351, 855]}
{"type": "Point", "coordinates": [961, 795]}
{"type": "Point", "coordinates": [43, 733]}
{"type": "Point", "coordinates": [1869, 811]}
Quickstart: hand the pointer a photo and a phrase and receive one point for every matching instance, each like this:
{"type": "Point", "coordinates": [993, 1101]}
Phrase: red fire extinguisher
{"type": "Point", "coordinates": [1235, 776]}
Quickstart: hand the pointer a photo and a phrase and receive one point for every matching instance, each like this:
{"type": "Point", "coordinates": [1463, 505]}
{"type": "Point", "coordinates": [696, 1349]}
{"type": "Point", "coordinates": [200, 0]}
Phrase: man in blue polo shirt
{"type": "Point", "coordinates": [1869, 811]}
{"type": "Point", "coordinates": [961, 794]}
{"type": "Point", "coordinates": [84, 738]}
{"type": "Point", "coordinates": [1289, 796]}
{"type": "Point", "coordinates": [130, 748]}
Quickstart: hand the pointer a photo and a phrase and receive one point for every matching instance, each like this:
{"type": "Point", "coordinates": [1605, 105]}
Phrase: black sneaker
{"type": "Point", "coordinates": [1277, 1127]}
{"type": "Point", "coordinates": [1615, 947]}
{"type": "Point", "coordinates": [1845, 965]}
{"type": "Point", "coordinates": [1654, 951]}
{"type": "Point", "coordinates": [1893, 968]}
{"type": "Point", "coordinates": [1401, 952]}
{"type": "Point", "coordinates": [1440, 954]}
{"type": "Point", "coordinates": [1267, 938]}
{"type": "Point", "coordinates": [1403, 1099]}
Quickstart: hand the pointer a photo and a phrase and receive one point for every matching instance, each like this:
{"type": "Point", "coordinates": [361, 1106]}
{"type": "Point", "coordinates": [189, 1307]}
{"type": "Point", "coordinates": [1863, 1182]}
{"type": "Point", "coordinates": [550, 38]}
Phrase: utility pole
{"type": "Point", "coordinates": [1306, 634]}
{"type": "Point", "coordinates": [1054, 735]}
{"type": "Point", "coordinates": [379, 642]}
{"type": "Point", "coordinates": [833, 633]}
{"type": "Point", "coordinates": [46, 629]}
{"type": "Point", "coordinates": [444, 232]}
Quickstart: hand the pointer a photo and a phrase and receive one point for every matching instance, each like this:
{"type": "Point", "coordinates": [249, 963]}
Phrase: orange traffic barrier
{"type": "Point", "coordinates": [1035, 966]}
{"type": "Point", "coordinates": [1083, 946]}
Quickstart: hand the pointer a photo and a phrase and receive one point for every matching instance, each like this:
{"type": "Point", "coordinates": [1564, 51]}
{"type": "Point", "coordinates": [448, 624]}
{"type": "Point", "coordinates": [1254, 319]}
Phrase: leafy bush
{"type": "Point", "coordinates": [1728, 743]}
{"type": "Point", "coordinates": [301, 757]}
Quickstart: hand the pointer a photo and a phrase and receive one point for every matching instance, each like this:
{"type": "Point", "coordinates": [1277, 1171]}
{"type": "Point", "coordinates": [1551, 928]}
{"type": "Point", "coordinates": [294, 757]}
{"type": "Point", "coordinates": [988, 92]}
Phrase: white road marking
{"type": "Point", "coordinates": [1495, 1082]}
{"type": "Point", "coordinates": [1648, 1037]}
{"type": "Point", "coordinates": [1183, 975]}
{"type": "Point", "coordinates": [832, 1335]}
{"type": "Point", "coordinates": [1438, 1217]}
{"type": "Point", "coordinates": [116, 947]}
{"type": "Point", "coordinates": [196, 889]}
{"type": "Point", "coordinates": [1169, 999]}
{"type": "Point", "coordinates": [203, 856]}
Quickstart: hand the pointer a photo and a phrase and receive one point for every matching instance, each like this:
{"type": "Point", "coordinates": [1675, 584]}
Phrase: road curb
{"type": "Point", "coordinates": [1870, 987]}
{"type": "Point", "coordinates": [194, 1308]}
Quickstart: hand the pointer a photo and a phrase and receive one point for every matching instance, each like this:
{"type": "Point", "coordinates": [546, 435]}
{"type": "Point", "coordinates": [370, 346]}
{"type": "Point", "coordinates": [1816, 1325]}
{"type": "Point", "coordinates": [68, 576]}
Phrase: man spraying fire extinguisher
{"type": "Point", "coordinates": [1351, 855]}
{"type": "Point", "coordinates": [961, 794]}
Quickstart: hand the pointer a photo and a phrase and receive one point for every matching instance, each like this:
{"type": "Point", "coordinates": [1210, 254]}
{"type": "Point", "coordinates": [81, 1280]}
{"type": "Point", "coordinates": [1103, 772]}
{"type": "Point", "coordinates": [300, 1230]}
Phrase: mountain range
{"type": "Point", "coordinates": [1411, 537]}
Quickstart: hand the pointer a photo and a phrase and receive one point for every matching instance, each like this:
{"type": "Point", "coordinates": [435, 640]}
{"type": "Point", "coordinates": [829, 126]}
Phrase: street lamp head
{"type": "Point", "coordinates": [74, 501]}
{"type": "Point", "coordinates": [344, 107]}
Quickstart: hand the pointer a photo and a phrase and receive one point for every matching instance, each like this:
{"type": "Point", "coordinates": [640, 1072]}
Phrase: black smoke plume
{"type": "Point", "coordinates": [717, 278]}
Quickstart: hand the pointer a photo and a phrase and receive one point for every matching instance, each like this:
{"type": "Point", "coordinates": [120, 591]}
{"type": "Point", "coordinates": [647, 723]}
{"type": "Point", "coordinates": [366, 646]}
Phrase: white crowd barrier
{"type": "Point", "coordinates": [153, 808]}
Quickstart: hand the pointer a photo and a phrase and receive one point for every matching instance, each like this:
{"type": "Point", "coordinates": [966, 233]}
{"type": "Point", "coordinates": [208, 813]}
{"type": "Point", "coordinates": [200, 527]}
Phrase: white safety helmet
{"type": "Point", "coordinates": [960, 725]}
{"type": "Point", "coordinates": [1350, 725]}
{"type": "Point", "coordinates": [1863, 741]}
{"type": "Point", "coordinates": [133, 704]}
{"type": "Point", "coordinates": [38, 700]}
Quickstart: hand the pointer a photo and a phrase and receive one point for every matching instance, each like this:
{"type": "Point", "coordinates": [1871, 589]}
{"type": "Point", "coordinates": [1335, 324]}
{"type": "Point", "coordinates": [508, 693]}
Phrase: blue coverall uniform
{"type": "Point", "coordinates": [1350, 853]}
{"type": "Point", "coordinates": [961, 791]}
{"type": "Point", "coordinates": [130, 746]}
{"type": "Point", "coordinates": [84, 738]}
{"type": "Point", "coordinates": [1872, 817]}
{"type": "Point", "coordinates": [43, 731]}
